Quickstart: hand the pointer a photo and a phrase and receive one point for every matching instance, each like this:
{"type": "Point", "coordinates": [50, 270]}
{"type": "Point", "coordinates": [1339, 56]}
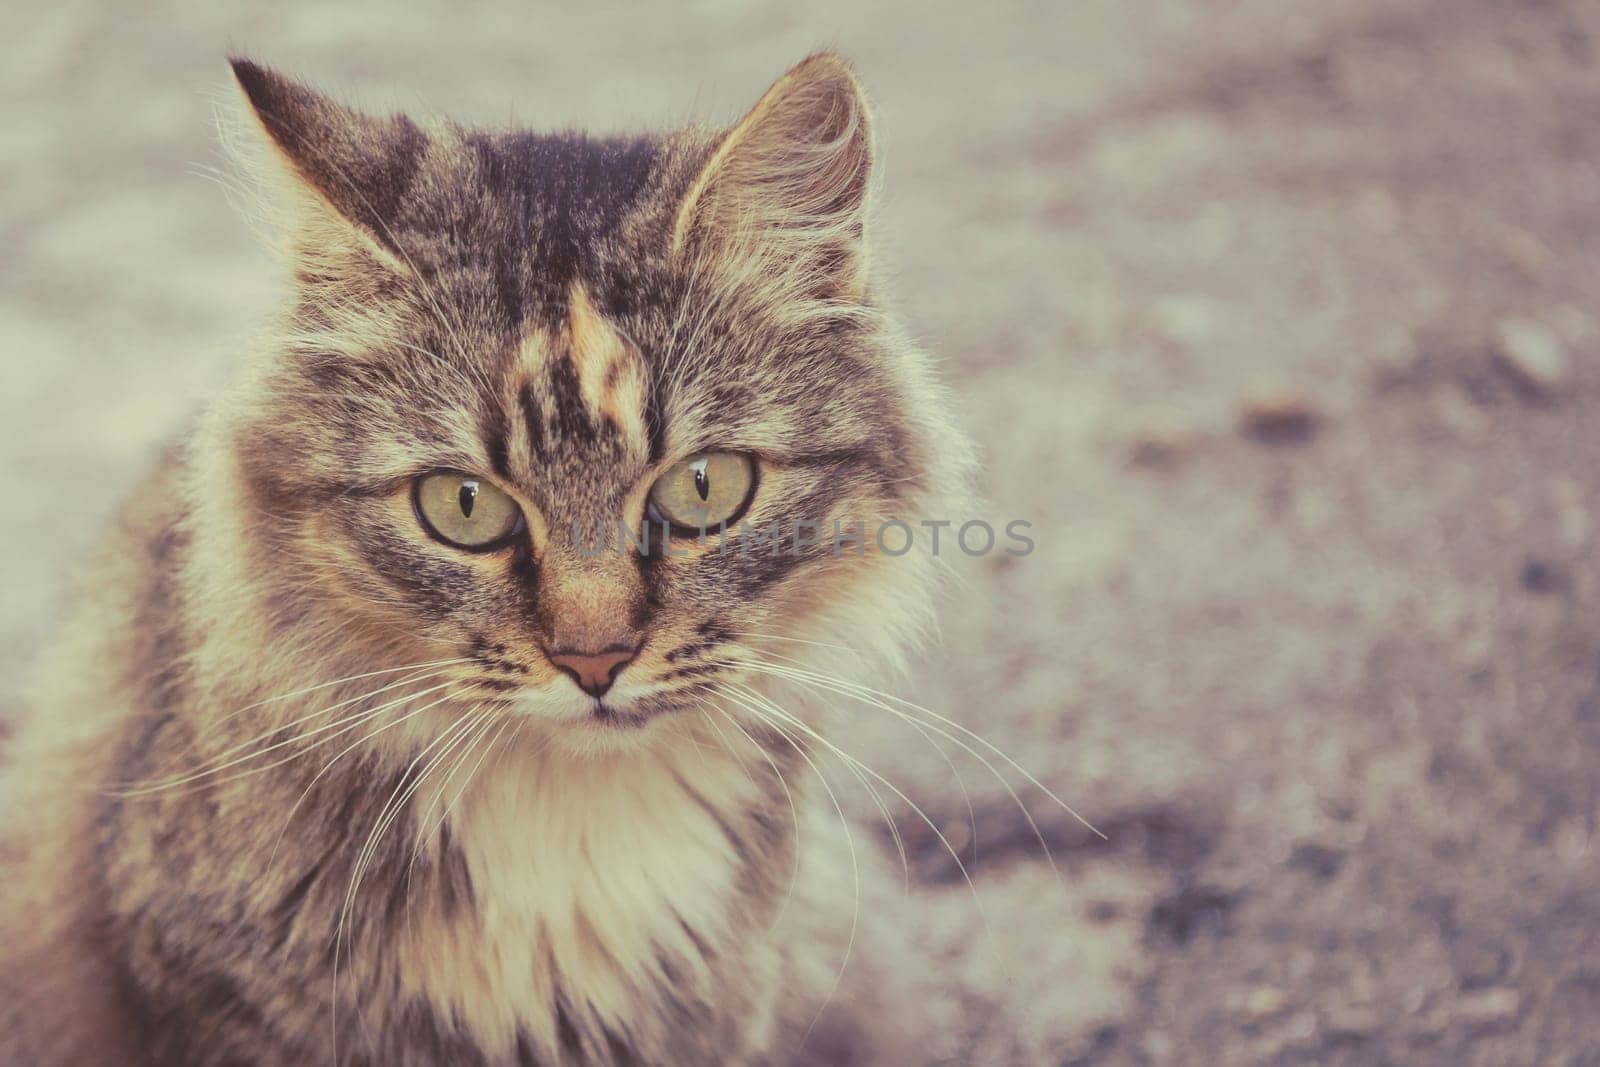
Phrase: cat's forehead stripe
{"type": "Point", "coordinates": [582, 381]}
{"type": "Point", "coordinates": [610, 376]}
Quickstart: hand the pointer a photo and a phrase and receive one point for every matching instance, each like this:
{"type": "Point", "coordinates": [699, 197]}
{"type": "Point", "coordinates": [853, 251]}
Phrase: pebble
{"type": "Point", "coordinates": [1532, 354]}
{"type": "Point", "coordinates": [1542, 576]}
{"type": "Point", "coordinates": [1294, 1040]}
{"type": "Point", "coordinates": [1104, 911]}
{"type": "Point", "coordinates": [1320, 861]}
{"type": "Point", "coordinates": [1264, 1002]}
{"type": "Point", "coordinates": [1480, 966]}
{"type": "Point", "coordinates": [1278, 417]}
{"type": "Point", "coordinates": [1492, 1009]}
{"type": "Point", "coordinates": [1348, 1021]}
{"type": "Point", "coordinates": [1161, 439]}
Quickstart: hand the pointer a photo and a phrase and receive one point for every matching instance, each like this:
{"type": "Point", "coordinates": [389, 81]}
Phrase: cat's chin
{"type": "Point", "coordinates": [608, 733]}
{"type": "Point", "coordinates": [583, 726]}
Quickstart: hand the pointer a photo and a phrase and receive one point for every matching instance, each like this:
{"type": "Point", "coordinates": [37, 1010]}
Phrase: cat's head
{"type": "Point", "coordinates": [506, 349]}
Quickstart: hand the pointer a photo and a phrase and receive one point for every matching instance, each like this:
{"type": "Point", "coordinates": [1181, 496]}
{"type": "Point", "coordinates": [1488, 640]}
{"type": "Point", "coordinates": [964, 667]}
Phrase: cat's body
{"type": "Point", "coordinates": [301, 783]}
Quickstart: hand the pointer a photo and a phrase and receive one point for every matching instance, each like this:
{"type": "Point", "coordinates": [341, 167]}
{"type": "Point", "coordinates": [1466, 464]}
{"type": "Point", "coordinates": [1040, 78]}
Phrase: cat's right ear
{"type": "Point", "coordinates": [788, 185]}
{"type": "Point", "coordinates": [345, 168]}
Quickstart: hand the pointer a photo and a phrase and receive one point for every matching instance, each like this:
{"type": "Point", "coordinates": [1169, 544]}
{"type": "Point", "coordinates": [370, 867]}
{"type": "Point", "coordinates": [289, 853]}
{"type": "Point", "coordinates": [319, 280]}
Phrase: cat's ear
{"type": "Point", "coordinates": [347, 166]}
{"type": "Point", "coordinates": [789, 181]}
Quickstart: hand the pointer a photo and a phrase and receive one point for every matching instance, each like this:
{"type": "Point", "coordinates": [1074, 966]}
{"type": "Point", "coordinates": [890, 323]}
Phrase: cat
{"type": "Point", "coordinates": [354, 748]}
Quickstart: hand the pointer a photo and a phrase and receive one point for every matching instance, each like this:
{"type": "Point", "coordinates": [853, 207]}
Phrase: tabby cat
{"type": "Point", "coordinates": [456, 692]}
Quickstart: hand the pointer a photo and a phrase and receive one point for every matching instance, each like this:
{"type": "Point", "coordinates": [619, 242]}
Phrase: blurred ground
{"type": "Point", "coordinates": [1331, 686]}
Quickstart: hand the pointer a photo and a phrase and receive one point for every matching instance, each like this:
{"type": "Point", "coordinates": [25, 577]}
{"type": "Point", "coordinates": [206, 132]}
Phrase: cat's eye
{"type": "Point", "coordinates": [465, 511]}
{"type": "Point", "coordinates": [704, 492]}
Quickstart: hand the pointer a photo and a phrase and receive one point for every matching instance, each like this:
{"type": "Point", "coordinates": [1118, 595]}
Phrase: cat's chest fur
{"type": "Point", "coordinates": [601, 893]}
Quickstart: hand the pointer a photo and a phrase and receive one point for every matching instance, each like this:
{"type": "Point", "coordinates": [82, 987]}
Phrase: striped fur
{"type": "Point", "coordinates": [653, 881]}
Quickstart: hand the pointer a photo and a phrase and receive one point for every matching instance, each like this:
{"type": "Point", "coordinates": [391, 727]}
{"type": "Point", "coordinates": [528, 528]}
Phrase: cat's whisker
{"type": "Point", "coordinates": [794, 811]}
{"type": "Point", "coordinates": [840, 687]}
{"type": "Point", "coordinates": [444, 816]}
{"type": "Point", "coordinates": [340, 727]}
{"type": "Point", "coordinates": [889, 820]}
{"type": "Point", "coordinates": [727, 746]}
{"type": "Point", "coordinates": [861, 692]}
{"type": "Point", "coordinates": [326, 767]}
{"type": "Point", "coordinates": [700, 748]}
{"type": "Point", "coordinates": [472, 773]}
{"type": "Point", "coordinates": [876, 797]}
{"type": "Point", "coordinates": [855, 861]}
{"type": "Point", "coordinates": [422, 836]}
{"type": "Point", "coordinates": [972, 819]}
{"type": "Point", "coordinates": [683, 307]}
{"type": "Point", "coordinates": [279, 728]}
{"type": "Point", "coordinates": [795, 640]}
{"type": "Point", "coordinates": [465, 725]}
{"type": "Point", "coordinates": [966, 875]}
{"type": "Point", "coordinates": [472, 365]}
{"type": "Point", "coordinates": [278, 698]}
{"type": "Point", "coordinates": [404, 789]}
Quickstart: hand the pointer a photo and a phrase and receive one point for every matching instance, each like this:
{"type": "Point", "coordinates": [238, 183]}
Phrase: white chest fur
{"type": "Point", "coordinates": [586, 873]}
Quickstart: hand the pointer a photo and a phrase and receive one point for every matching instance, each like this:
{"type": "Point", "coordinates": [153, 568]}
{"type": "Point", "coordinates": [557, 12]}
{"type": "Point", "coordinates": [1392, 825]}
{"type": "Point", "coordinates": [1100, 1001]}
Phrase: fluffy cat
{"type": "Point", "coordinates": [354, 750]}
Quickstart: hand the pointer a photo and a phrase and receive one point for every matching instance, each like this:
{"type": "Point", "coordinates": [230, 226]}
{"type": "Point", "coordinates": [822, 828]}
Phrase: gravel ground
{"type": "Point", "coordinates": [1275, 318]}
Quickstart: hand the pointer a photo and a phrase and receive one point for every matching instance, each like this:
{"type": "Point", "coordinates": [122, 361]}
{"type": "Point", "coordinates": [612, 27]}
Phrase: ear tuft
{"type": "Point", "coordinates": [359, 165]}
{"type": "Point", "coordinates": [260, 85]}
{"type": "Point", "coordinates": [795, 172]}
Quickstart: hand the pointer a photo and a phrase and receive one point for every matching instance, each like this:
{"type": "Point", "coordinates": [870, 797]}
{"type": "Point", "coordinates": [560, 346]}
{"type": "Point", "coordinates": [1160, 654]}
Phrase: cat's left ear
{"type": "Point", "coordinates": [350, 166]}
{"type": "Point", "coordinates": [789, 181]}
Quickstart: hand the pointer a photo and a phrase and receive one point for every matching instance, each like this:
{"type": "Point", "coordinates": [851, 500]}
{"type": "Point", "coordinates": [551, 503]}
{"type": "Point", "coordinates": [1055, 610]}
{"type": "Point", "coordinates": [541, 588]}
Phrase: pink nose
{"type": "Point", "coordinates": [593, 671]}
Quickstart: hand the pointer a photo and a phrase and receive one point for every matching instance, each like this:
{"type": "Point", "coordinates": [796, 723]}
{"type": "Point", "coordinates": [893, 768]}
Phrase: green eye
{"type": "Point", "coordinates": [465, 511]}
{"type": "Point", "coordinates": [704, 492]}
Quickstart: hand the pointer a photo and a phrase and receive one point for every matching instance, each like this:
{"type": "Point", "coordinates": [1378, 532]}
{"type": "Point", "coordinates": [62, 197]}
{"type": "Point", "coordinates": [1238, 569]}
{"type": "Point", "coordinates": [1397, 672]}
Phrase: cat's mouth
{"type": "Point", "coordinates": [611, 727]}
{"type": "Point", "coordinates": [617, 714]}
{"type": "Point", "coordinates": [611, 717]}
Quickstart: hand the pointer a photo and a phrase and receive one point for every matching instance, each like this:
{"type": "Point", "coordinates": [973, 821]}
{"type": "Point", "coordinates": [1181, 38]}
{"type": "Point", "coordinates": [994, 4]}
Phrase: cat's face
{"type": "Point", "coordinates": [509, 352]}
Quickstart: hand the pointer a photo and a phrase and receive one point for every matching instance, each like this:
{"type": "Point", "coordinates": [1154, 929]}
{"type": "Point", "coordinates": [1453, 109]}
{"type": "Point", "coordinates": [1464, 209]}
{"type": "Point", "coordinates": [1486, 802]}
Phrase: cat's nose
{"type": "Point", "coordinates": [593, 671]}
